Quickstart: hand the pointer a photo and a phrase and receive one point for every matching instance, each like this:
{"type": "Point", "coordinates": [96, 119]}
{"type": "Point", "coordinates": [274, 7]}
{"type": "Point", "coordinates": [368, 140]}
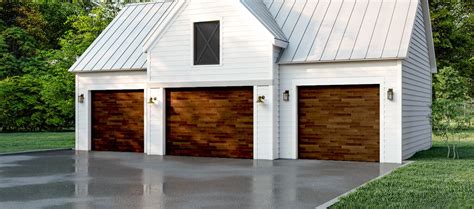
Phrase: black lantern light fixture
{"type": "Point", "coordinates": [286, 95]}
{"type": "Point", "coordinates": [80, 98]}
{"type": "Point", "coordinates": [390, 94]}
{"type": "Point", "coordinates": [152, 100]}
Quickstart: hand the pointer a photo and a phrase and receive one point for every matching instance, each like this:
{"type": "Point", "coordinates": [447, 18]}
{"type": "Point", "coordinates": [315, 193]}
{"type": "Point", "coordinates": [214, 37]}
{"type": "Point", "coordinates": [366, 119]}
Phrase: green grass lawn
{"type": "Point", "coordinates": [433, 181]}
{"type": "Point", "coordinates": [18, 142]}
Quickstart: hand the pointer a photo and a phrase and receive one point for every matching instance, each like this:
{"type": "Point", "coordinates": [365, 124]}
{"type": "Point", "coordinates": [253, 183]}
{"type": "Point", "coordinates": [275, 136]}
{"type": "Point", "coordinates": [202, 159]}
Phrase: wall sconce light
{"type": "Point", "coordinates": [80, 98]}
{"type": "Point", "coordinates": [261, 99]}
{"type": "Point", "coordinates": [286, 95]}
{"type": "Point", "coordinates": [152, 100]}
{"type": "Point", "coordinates": [390, 94]}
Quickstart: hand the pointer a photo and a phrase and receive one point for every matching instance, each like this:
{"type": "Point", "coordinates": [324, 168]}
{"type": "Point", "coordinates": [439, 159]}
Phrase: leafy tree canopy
{"type": "Point", "coordinates": [38, 44]}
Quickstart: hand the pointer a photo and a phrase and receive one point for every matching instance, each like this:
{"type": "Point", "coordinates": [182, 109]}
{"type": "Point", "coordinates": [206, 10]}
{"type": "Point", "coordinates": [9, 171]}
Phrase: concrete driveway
{"type": "Point", "coordinates": [68, 179]}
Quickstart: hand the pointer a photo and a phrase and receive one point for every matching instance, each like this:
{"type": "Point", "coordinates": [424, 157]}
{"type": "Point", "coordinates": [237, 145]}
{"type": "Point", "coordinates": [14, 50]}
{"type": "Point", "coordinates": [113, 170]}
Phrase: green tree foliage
{"type": "Point", "coordinates": [38, 44]}
{"type": "Point", "coordinates": [451, 85]}
{"type": "Point", "coordinates": [452, 22]}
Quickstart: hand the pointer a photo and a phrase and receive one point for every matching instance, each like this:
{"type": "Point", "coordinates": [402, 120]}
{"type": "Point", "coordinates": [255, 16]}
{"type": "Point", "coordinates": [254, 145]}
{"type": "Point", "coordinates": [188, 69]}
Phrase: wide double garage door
{"type": "Point", "coordinates": [210, 122]}
{"type": "Point", "coordinates": [339, 122]}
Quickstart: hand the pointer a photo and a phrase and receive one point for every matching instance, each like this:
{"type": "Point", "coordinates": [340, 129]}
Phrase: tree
{"type": "Point", "coordinates": [450, 85]}
{"type": "Point", "coordinates": [16, 47]}
{"type": "Point", "coordinates": [451, 117]}
{"type": "Point", "coordinates": [38, 44]}
{"type": "Point", "coordinates": [453, 34]}
{"type": "Point", "coordinates": [21, 108]}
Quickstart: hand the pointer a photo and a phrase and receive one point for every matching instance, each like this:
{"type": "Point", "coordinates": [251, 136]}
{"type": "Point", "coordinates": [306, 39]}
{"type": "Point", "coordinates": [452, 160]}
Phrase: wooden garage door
{"type": "Point", "coordinates": [339, 122]}
{"type": "Point", "coordinates": [210, 122]}
{"type": "Point", "coordinates": [117, 120]}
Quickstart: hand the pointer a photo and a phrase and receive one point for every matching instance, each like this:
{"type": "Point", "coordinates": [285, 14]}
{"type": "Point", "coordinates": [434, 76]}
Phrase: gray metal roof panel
{"type": "Point", "coordinates": [316, 30]}
{"type": "Point", "coordinates": [332, 30]}
{"type": "Point", "coordinates": [119, 46]}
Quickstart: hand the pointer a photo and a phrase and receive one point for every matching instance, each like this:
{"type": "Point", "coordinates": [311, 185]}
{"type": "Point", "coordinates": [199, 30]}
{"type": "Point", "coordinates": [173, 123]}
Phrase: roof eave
{"type": "Point", "coordinates": [429, 35]}
{"type": "Point", "coordinates": [109, 70]}
{"type": "Point", "coordinates": [342, 60]}
{"type": "Point", "coordinates": [280, 43]}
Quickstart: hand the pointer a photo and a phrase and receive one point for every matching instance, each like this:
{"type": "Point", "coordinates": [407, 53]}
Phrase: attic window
{"type": "Point", "coordinates": [207, 43]}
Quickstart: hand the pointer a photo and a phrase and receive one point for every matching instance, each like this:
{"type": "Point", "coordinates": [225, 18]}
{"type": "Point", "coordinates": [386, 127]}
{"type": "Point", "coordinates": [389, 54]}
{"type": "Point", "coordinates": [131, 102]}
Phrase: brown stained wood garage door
{"type": "Point", "coordinates": [339, 122]}
{"type": "Point", "coordinates": [210, 122]}
{"type": "Point", "coordinates": [117, 120]}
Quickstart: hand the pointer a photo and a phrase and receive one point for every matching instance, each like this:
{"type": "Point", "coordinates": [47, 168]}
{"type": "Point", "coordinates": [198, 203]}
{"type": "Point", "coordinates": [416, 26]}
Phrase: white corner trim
{"type": "Point", "coordinates": [255, 123]}
{"type": "Point", "coordinates": [76, 112]}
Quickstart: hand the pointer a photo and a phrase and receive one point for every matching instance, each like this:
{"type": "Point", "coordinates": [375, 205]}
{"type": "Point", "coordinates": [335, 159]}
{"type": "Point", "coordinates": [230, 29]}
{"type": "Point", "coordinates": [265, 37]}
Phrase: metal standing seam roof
{"type": "Point", "coordinates": [315, 30]}
{"type": "Point", "coordinates": [332, 30]}
{"type": "Point", "coordinates": [119, 46]}
{"type": "Point", "coordinates": [260, 11]}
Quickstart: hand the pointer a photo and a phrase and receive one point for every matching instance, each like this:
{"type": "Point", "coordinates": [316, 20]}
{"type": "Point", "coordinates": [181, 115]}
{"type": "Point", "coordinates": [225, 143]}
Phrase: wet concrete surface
{"type": "Point", "coordinates": [74, 179]}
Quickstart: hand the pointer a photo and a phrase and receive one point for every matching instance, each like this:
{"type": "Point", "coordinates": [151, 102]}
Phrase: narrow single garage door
{"type": "Point", "coordinates": [339, 122]}
{"type": "Point", "coordinates": [117, 120]}
{"type": "Point", "coordinates": [210, 122]}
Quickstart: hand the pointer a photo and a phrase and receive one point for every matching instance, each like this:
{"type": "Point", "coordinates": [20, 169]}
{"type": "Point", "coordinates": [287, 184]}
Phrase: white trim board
{"type": "Point", "coordinates": [210, 84]}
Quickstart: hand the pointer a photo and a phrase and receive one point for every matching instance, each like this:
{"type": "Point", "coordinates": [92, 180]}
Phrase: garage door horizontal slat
{"type": "Point", "coordinates": [210, 122]}
{"type": "Point", "coordinates": [338, 122]}
{"type": "Point", "coordinates": [117, 121]}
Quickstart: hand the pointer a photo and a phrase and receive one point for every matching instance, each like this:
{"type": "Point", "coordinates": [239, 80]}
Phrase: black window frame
{"type": "Point", "coordinates": [207, 43]}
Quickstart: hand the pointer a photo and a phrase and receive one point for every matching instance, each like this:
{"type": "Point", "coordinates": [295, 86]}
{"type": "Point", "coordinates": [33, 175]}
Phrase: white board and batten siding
{"type": "Point", "coordinates": [416, 91]}
{"type": "Point", "coordinates": [246, 47]}
{"type": "Point", "coordinates": [87, 82]}
{"type": "Point", "coordinates": [385, 73]}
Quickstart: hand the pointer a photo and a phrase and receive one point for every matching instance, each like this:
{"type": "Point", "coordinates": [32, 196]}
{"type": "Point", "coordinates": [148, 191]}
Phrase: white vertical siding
{"type": "Point", "coordinates": [385, 73]}
{"type": "Point", "coordinates": [245, 46]}
{"type": "Point", "coordinates": [87, 82]}
{"type": "Point", "coordinates": [416, 92]}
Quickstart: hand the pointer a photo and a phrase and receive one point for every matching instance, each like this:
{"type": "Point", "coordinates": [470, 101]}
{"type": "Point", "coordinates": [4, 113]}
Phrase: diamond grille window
{"type": "Point", "coordinates": [206, 43]}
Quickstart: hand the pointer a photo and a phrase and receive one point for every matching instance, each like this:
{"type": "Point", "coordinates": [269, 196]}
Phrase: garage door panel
{"type": "Point", "coordinates": [117, 121]}
{"type": "Point", "coordinates": [339, 122]}
{"type": "Point", "coordinates": [210, 122]}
